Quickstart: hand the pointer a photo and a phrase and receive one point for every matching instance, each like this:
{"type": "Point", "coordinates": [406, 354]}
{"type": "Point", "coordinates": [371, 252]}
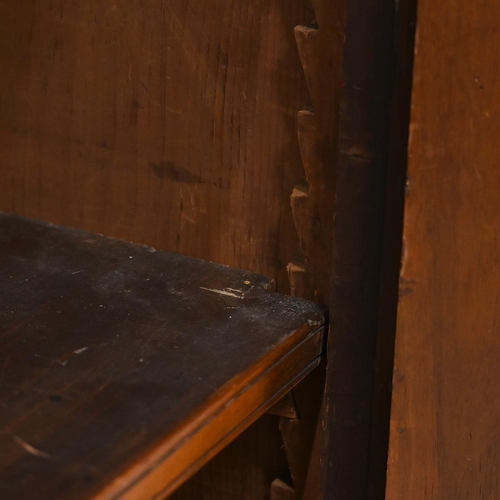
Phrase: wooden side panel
{"type": "Point", "coordinates": [445, 424]}
{"type": "Point", "coordinates": [169, 122]}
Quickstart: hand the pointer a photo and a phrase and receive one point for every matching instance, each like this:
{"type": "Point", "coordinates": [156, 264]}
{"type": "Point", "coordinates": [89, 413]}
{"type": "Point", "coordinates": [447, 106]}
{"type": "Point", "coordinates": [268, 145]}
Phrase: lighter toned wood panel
{"type": "Point", "coordinates": [445, 425]}
{"type": "Point", "coordinates": [166, 122]}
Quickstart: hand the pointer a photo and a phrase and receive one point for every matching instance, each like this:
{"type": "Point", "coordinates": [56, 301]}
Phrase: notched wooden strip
{"type": "Point", "coordinates": [309, 45]}
{"type": "Point", "coordinates": [285, 407]}
{"type": "Point", "coordinates": [303, 217]}
{"type": "Point", "coordinates": [311, 154]}
{"type": "Point", "coordinates": [282, 491]}
{"type": "Point", "coordinates": [301, 281]}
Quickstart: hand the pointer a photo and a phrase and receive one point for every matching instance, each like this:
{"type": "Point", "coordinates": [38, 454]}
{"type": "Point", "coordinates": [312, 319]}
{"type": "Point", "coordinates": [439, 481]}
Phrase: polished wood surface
{"type": "Point", "coordinates": [125, 369]}
{"type": "Point", "coordinates": [445, 423]}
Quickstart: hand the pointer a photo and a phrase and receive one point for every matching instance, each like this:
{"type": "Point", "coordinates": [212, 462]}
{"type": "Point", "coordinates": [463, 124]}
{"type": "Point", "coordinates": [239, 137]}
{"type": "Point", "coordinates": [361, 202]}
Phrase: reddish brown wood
{"type": "Point", "coordinates": [298, 432]}
{"type": "Point", "coordinates": [171, 123]}
{"type": "Point", "coordinates": [285, 407]}
{"type": "Point", "coordinates": [340, 464]}
{"type": "Point", "coordinates": [319, 43]}
{"type": "Point", "coordinates": [125, 369]}
{"type": "Point", "coordinates": [301, 281]}
{"type": "Point", "coordinates": [391, 252]}
{"type": "Point", "coordinates": [313, 206]}
{"type": "Point", "coordinates": [258, 452]}
{"type": "Point", "coordinates": [282, 491]}
{"type": "Point", "coordinates": [309, 41]}
{"type": "Point", "coordinates": [445, 422]}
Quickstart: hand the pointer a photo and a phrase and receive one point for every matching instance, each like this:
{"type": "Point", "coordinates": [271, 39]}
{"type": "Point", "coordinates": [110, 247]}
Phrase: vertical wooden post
{"type": "Point", "coordinates": [340, 464]}
{"type": "Point", "coordinates": [319, 44]}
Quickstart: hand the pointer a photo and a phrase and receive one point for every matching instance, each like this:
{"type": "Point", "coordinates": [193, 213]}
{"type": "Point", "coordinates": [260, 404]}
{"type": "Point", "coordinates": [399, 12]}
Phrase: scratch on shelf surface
{"type": "Point", "coordinates": [79, 351]}
{"type": "Point", "coordinates": [228, 292]}
{"type": "Point", "coordinates": [30, 449]}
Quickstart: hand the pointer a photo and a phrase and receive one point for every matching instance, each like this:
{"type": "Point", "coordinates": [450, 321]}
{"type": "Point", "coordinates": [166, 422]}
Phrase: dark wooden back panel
{"type": "Point", "coordinates": [445, 428]}
{"type": "Point", "coordinates": [171, 123]}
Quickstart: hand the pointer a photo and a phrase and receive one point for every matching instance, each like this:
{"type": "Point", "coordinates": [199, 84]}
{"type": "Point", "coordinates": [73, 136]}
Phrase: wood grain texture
{"type": "Point", "coordinates": [301, 281]}
{"type": "Point", "coordinates": [340, 464]}
{"type": "Point", "coordinates": [445, 439]}
{"type": "Point", "coordinates": [392, 246]}
{"type": "Point", "coordinates": [282, 491]}
{"type": "Point", "coordinates": [243, 470]}
{"type": "Point", "coordinates": [285, 407]}
{"type": "Point", "coordinates": [298, 432]}
{"type": "Point", "coordinates": [319, 44]}
{"type": "Point", "coordinates": [125, 369]}
{"type": "Point", "coordinates": [171, 122]}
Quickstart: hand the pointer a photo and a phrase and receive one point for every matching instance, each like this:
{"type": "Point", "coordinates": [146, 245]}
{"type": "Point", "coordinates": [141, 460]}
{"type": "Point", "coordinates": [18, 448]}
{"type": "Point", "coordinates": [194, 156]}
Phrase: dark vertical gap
{"type": "Point", "coordinates": [392, 247]}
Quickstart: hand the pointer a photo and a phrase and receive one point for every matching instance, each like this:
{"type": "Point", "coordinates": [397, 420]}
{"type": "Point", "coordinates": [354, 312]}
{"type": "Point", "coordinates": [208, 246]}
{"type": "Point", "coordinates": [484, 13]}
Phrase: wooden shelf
{"type": "Point", "coordinates": [123, 370]}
